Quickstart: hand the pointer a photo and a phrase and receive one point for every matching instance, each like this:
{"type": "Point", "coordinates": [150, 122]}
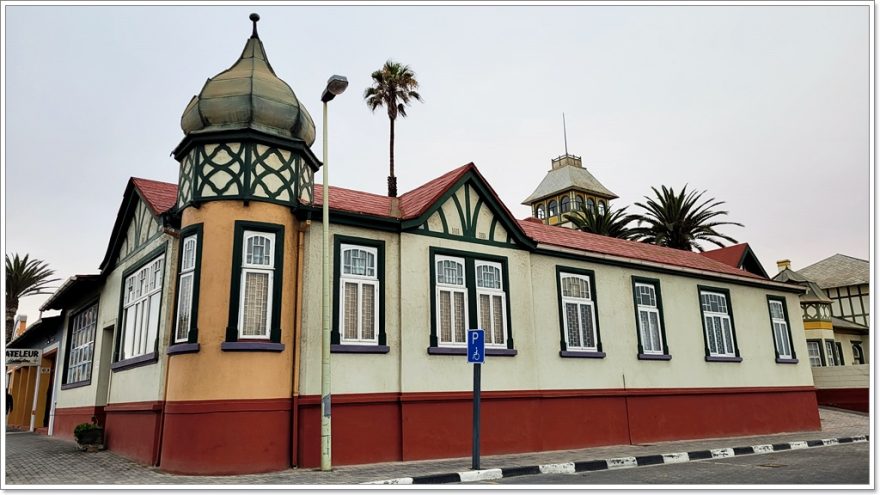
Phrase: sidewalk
{"type": "Point", "coordinates": [36, 459]}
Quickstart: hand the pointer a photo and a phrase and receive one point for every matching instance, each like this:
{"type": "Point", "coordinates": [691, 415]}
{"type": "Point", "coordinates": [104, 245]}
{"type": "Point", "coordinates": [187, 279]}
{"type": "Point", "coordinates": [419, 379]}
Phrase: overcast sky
{"type": "Point", "coordinates": [766, 107]}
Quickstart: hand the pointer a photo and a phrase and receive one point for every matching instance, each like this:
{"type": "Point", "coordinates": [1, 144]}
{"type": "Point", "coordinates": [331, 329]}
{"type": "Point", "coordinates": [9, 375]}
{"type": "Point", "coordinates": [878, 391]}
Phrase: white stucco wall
{"type": "Point", "coordinates": [534, 322]}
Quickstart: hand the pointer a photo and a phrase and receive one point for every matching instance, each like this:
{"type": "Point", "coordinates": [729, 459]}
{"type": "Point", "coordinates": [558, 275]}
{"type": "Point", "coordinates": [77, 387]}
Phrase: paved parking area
{"type": "Point", "coordinates": [36, 459]}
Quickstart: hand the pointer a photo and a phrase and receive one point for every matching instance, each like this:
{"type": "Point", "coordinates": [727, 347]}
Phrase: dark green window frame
{"type": "Point", "coordinates": [232, 342]}
{"type": "Point", "coordinates": [335, 336]}
{"type": "Point", "coordinates": [731, 359]}
{"type": "Point", "coordinates": [150, 357]}
{"type": "Point", "coordinates": [564, 352]}
{"type": "Point", "coordinates": [192, 342]}
{"type": "Point", "coordinates": [92, 301]}
{"type": "Point", "coordinates": [470, 259]}
{"type": "Point", "coordinates": [793, 359]}
{"type": "Point", "coordinates": [665, 356]}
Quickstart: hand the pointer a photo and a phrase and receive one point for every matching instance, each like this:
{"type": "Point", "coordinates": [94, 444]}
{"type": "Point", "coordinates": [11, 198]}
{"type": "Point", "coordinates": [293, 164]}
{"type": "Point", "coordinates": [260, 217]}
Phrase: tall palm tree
{"type": "Point", "coordinates": [610, 223]}
{"type": "Point", "coordinates": [24, 277]}
{"type": "Point", "coordinates": [680, 220]}
{"type": "Point", "coordinates": [394, 87]}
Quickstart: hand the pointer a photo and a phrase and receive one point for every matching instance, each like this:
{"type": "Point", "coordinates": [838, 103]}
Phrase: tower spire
{"type": "Point", "coordinates": [564, 132]}
{"type": "Point", "coordinates": [254, 18]}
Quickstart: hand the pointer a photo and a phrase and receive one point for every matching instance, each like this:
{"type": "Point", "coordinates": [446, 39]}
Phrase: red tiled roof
{"type": "Point", "coordinates": [415, 202]}
{"type": "Point", "coordinates": [730, 255]}
{"type": "Point", "coordinates": [411, 204]}
{"type": "Point", "coordinates": [354, 201]}
{"type": "Point", "coordinates": [575, 239]}
{"type": "Point", "coordinates": [160, 196]}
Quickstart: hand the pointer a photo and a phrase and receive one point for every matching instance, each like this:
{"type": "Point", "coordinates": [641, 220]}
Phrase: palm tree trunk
{"type": "Point", "coordinates": [392, 180]}
{"type": "Point", "coordinates": [11, 309]}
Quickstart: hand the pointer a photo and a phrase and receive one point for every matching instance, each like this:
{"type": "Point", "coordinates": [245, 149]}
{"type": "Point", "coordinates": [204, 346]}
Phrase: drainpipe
{"type": "Point", "coordinates": [297, 343]}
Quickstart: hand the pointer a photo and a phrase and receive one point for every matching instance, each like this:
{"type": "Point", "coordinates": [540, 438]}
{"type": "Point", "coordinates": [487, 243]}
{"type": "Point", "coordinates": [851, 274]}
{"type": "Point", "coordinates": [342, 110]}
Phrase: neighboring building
{"type": "Point", "coordinates": [845, 280]}
{"type": "Point", "coordinates": [567, 187]}
{"type": "Point", "coordinates": [205, 356]}
{"type": "Point", "coordinates": [44, 335]}
{"type": "Point", "coordinates": [738, 256]}
{"type": "Point", "coordinates": [835, 300]}
{"type": "Point", "coordinates": [836, 308]}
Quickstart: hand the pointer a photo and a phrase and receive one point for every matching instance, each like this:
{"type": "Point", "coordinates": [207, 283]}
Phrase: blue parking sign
{"type": "Point", "coordinates": [476, 346]}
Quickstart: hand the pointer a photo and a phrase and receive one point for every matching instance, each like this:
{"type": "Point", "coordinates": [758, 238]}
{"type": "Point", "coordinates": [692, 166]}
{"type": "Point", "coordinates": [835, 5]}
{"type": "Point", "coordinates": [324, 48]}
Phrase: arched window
{"type": "Point", "coordinates": [579, 315]}
{"type": "Point", "coordinates": [358, 295]}
{"type": "Point", "coordinates": [257, 278]}
{"type": "Point", "coordinates": [565, 204]}
{"type": "Point", "coordinates": [601, 207]}
{"type": "Point", "coordinates": [552, 209]}
{"type": "Point", "coordinates": [578, 203]}
{"type": "Point", "coordinates": [591, 206]}
{"type": "Point", "coordinates": [540, 212]}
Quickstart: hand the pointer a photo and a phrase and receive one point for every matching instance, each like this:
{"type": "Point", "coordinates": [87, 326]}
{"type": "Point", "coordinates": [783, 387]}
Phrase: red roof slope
{"type": "Point", "coordinates": [730, 255]}
{"type": "Point", "coordinates": [354, 201]}
{"type": "Point", "coordinates": [160, 196]}
{"type": "Point", "coordinates": [575, 239]}
{"type": "Point", "coordinates": [415, 202]}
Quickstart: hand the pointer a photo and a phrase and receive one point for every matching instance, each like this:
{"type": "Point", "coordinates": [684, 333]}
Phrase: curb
{"type": "Point", "coordinates": [613, 463]}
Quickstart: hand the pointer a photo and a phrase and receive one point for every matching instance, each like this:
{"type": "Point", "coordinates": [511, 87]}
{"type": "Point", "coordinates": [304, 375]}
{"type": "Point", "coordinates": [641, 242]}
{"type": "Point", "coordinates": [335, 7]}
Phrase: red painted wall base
{"type": "Point", "coordinates": [132, 430]}
{"type": "Point", "coordinates": [67, 418]}
{"type": "Point", "coordinates": [438, 425]}
{"type": "Point", "coordinates": [226, 437]}
{"type": "Point", "coordinates": [854, 399]}
{"type": "Point", "coordinates": [253, 436]}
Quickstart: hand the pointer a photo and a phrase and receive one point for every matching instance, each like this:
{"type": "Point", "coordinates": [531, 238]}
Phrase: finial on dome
{"type": "Point", "coordinates": [255, 17]}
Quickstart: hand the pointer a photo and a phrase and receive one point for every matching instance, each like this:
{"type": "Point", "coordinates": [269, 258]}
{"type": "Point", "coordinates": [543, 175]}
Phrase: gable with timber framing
{"type": "Point", "coordinates": [469, 210]}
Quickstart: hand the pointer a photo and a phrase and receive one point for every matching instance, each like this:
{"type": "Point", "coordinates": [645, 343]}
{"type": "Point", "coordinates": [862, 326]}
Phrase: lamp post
{"type": "Point", "coordinates": [335, 86]}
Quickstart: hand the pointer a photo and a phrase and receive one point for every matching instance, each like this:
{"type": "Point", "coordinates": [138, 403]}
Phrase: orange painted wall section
{"type": "Point", "coordinates": [212, 373]}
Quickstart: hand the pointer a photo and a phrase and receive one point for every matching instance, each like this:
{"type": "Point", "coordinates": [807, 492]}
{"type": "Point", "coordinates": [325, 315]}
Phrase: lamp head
{"type": "Point", "coordinates": [335, 86]}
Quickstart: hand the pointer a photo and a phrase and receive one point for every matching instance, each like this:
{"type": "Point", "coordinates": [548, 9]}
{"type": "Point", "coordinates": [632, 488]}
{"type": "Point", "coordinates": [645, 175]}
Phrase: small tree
{"type": "Point", "coordinates": [24, 277]}
{"type": "Point", "coordinates": [394, 87]}
{"type": "Point", "coordinates": [608, 222]}
{"type": "Point", "coordinates": [680, 220]}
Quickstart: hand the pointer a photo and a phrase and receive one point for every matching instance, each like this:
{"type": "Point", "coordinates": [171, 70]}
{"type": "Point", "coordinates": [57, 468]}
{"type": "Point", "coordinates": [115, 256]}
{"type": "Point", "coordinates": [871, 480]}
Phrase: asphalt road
{"type": "Point", "coordinates": [839, 464]}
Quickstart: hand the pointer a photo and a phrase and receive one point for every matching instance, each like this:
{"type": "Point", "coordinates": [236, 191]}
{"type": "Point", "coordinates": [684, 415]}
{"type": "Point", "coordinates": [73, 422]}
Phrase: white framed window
{"type": "Point", "coordinates": [257, 278]}
{"type": "Point", "coordinates": [815, 353]}
{"type": "Point", "coordinates": [649, 318]}
{"type": "Point", "coordinates": [140, 310]}
{"type": "Point", "coordinates": [185, 288]}
{"type": "Point", "coordinates": [358, 295]}
{"type": "Point", "coordinates": [540, 212]}
{"type": "Point", "coordinates": [491, 302]}
{"type": "Point", "coordinates": [830, 355]}
{"type": "Point", "coordinates": [780, 330]}
{"type": "Point", "coordinates": [579, 312]}
{"type": "Point", "coordinates": [451, 300]}
{"type": "Point", "coordinates": [82, 345]}
{"type": "Point", "coordinates": [601, 207]}
{"type": "Point", "coordinates": [719, 329]}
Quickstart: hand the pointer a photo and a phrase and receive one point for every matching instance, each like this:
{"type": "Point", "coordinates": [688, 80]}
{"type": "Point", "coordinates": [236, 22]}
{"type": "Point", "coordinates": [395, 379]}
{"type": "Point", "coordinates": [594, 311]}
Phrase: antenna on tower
{"type": "Point", "coordinates": [564, 133]}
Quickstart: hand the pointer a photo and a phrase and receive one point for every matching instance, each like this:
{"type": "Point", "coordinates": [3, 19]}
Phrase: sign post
{"type": "Point", "coordinates": [476, 352]}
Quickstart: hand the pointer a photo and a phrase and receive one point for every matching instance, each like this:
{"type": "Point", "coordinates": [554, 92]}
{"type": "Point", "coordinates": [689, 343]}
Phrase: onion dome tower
{"type": "Point", "coordinates": [247, 136]}
{"type": "Point", "coordinates": [246, 181]}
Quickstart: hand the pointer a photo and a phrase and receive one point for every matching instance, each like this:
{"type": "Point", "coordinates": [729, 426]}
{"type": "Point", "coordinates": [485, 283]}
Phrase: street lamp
{"type": "Point", "coordinates": [335, 86]}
